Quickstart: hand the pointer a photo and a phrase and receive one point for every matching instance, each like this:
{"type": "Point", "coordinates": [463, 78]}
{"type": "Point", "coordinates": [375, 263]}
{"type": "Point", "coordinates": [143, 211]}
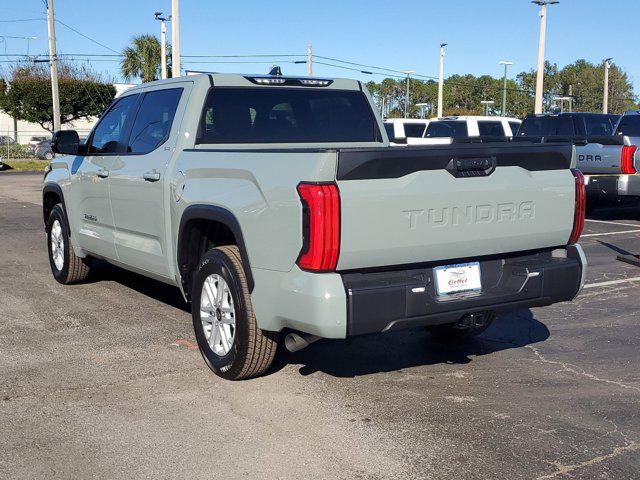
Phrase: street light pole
{"type": "Point", "coordinates": [541, 42]}
{"type": "Point", "coordinates": [406, 95]}
{"type": "Point", "coordinates": [310, 60]}
{"type": "Point", "coordinates": [163, 45]}
{"type": "Point", "coordinates": [486, 104]}
{"type": "Point", "coordinates": [53, 63]}
{"type": "Point", "coordinates": [504, 86]}
{"type": "Point", "coordinates": [175, 39]}
{"type": "Point", "coordinates": [605, 96]}
{"type": "Point", "coordinates": [441, 79]}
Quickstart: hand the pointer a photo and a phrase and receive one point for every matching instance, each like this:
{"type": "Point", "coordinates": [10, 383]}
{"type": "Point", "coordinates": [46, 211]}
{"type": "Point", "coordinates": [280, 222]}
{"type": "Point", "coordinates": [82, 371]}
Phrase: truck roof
{"type": "Point", "coordinates": [258, 80]}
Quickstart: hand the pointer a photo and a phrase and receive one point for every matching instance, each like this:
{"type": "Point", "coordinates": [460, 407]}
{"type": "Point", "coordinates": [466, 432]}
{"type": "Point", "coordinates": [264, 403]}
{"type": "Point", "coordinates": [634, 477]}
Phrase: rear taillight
{"type": "Point", "coordinates": [320, 226]}
{"type": "Point", "coordinates": [626, 159]}
{"type": "Point", "coordinates": [581, 203]}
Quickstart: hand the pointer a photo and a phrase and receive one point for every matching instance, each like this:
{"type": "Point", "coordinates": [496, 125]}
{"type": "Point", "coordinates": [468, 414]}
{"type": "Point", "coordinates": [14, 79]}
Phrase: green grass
{"type": "Point", "coordinates": [25, 165]}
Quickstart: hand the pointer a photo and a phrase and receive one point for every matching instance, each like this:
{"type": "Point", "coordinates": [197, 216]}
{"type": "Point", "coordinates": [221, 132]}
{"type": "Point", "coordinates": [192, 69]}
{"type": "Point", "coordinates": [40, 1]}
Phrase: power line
{"type": "Point", "coordinates": [86, 36]}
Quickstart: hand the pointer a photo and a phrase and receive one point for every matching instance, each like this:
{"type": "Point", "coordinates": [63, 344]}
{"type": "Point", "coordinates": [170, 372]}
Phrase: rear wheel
{"type": "Point", "coordinates": [465, 329]}
{"type": "Point", "coordinates": [225, 326]}
{"type": "Point", "coordinates": [66, 266]}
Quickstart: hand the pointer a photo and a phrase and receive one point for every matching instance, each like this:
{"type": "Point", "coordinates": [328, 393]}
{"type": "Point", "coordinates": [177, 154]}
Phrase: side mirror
{"type": "Point", "coordinates": [65, 142]}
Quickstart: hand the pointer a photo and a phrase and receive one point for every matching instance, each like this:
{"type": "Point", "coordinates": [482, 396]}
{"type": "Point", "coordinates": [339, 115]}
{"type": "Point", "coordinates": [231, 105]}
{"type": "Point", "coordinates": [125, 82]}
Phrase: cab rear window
{"type": "Point", "coordinates": [286, 115]}
{"type": "Point", "coordinates": [447, 128]}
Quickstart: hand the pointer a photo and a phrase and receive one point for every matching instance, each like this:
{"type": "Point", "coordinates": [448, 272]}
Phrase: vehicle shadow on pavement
{"type": "Point", "coordinates": [155, 289]}
{"type": "Point", "coordinates": [612, 212]}
{"type": "Point", "coordinates": [394, 351]}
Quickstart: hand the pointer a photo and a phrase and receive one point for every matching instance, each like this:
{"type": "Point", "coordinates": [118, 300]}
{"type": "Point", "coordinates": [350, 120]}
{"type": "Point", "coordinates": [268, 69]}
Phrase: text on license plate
{"type": "Point", "coordinates": [462, 277]}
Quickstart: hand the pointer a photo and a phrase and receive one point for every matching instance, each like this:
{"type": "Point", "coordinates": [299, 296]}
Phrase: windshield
{"type": "Point", "coordinates": [286, 115]}
{"type": "Point", "coordinates": [545, 126]}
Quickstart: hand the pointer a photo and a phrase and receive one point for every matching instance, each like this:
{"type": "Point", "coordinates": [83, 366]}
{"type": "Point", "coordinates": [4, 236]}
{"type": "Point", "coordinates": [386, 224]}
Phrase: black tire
{"type": "Point", "coordinates": [450, 332]}
{"type": "Point", "coordinates": [74, 269]}
{"type": "Point", "coordinates": [252, 350]}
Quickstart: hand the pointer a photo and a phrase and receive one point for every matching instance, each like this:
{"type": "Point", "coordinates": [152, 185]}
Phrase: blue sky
{"type": "Point", "coordinates": [399, 35]}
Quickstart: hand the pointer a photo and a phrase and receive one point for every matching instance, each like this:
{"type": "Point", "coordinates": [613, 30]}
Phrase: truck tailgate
{"type": "Point", "coordinates": [601, 156]}
{"type": "Point", "coordinates": [422, 204]}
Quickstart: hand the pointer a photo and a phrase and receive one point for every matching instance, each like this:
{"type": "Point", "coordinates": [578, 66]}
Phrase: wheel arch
{"type": "Point", "coordinates": [51, 196]}
{"type": "Point", "coordinates": [202, 227]}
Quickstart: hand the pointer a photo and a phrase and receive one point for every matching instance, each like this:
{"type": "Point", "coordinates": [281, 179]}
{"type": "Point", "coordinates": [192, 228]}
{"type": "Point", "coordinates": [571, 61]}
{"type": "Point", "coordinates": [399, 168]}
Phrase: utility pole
{"type": "Point", "coordinates": [441, 79]}
{"type": "Point", "coordinates": [605, 96]}
{"type": "Point", "coordinates": [570, 98]}
{"type": "Point", "coordinates": [53, 63]}
{"type": "Point", "coordinates": [504, 86]}
{"type": "Point", "coordinates": [406, 95]}
{"type": "Point", "coordinates": [541, 42]}
{"type": "Point", "coordinates": [310, 59]}
{"type": "Point", "coordinates": [175, 39]}
{"type": "Point", "coordinates": [163, 44]}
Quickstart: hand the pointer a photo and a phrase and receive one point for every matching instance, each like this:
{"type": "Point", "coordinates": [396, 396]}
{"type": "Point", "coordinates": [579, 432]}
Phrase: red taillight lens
{"type": "Point", "coordinates": [581, 203]}
{"type": "Point", "coordinates": [320, 226]}
{"type": "Point", "coordinates": [626, 159]}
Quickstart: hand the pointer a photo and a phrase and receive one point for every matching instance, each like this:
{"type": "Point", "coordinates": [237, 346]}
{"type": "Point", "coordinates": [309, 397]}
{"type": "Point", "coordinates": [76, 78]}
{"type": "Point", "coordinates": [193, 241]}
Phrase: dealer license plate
{"type": "Point", "coordinates": [463, 277]}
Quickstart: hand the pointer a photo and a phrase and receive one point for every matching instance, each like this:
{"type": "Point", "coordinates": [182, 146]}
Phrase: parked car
{"type": "Point", "coordinates": [7, 140]}
{"type": "Point", "coordinates": [278, 208]}
{"type": "Point", "coordinates": [443, 130]}
{"type": "Point", "coordinates": [43, 150]}
{"type": "Point", "coordinates": [34, 141]}
{"type": "Point", "coordinates": [609, 162]}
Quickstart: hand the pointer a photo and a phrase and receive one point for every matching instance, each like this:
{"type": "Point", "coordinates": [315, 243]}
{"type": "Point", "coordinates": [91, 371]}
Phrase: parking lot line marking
{"type": "Point", "coordinates": [612, 282]}
{"type": "Point", "coordinates": [609, 233]}
{"type": "Point", "coordinates": [613, 223]}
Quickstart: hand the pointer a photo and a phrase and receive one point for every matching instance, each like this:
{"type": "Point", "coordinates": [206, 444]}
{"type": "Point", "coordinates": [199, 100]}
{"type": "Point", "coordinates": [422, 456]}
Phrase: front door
{"type": "Point", "coordinates": [93, 219]}
{"type": "Point", "coordinates": [137, 183]}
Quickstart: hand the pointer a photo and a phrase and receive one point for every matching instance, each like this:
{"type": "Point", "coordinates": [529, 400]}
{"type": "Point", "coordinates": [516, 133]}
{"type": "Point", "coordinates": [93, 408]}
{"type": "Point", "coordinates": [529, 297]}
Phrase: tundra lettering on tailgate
{"type": "Point", "coordinates": [471, 214]}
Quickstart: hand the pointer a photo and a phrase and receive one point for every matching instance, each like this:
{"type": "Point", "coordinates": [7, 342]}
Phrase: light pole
{"type": "Point", "coordinates": [175, 39]}
{"type": "Point", "coordinates": [423, 108]}
{"type": "Point", "coordinates": [163, 44]}
{"type": "Point", "coordinates": [486, 104]}
{"type": "Point", "coordinates": [406, 95]}
{"type": "Point", "coordinates": [605, 96]}
{"type": "Point", "coordinates": [541, 41]}
{"type": "Point", "coordinates": [441, 79]}
{"type": "Point", "coordinates": [53, 63]}
{"type": "Point", "coordinates": [504, 86]}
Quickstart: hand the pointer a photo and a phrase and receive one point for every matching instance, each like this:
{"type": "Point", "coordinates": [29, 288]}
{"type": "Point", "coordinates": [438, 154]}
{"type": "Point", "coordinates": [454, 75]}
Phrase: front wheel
{"type": "Point", "coordinates": [464, 330]}
{"type": "Point", "coordinates": [66, 266]}
{"type": "Point", "coordinates": [225, 326]}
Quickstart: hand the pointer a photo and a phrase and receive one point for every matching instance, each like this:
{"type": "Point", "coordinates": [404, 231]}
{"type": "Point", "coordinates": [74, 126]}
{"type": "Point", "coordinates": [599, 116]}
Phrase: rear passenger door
{"type": "Point", "coordinates": [137, 185]}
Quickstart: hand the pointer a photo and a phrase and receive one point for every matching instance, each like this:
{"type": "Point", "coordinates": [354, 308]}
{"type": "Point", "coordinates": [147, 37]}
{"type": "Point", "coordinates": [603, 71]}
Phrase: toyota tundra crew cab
{"type": "Point", "coordinates": [278, 208]}
{"type": "Point", "coordinates": [606, 150]}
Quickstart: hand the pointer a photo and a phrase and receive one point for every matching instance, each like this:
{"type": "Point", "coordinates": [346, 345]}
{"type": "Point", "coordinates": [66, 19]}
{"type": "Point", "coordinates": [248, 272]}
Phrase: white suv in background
{"type": "Point", "coordinates": [444, 129]}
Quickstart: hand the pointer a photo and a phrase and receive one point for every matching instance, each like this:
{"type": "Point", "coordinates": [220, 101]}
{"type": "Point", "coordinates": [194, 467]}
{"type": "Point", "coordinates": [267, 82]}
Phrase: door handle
{"type": "Point", "coordinates": [102, 173]}
{"type": "Point", "coordinates": [152, 176]}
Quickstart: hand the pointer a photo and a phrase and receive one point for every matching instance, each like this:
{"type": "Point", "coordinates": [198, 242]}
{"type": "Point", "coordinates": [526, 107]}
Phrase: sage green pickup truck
{"type": "Point", "coordinates": [277, 207]}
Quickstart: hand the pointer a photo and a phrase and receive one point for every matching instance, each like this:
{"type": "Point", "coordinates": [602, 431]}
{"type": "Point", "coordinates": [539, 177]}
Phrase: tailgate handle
{"type": "Point", "coordinates": [472, 167]}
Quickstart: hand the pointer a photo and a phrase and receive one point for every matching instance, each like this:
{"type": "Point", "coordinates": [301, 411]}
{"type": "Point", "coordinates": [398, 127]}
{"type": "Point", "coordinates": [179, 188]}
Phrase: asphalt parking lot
{"type": "Point", "coordinates": [102, 380]}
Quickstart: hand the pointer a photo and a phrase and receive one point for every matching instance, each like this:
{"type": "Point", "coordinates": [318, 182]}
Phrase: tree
{"type": "Point", "coordinates": [26, 94]}
{"type": "Point", "coordinates": [142, 58]}
{"type": "Point", "coordinates": [463, 93]}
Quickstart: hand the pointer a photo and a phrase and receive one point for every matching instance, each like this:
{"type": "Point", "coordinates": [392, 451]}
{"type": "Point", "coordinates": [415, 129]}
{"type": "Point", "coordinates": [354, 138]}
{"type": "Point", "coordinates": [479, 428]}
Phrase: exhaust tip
{"type": "Point", "coordinates": [297, 341]}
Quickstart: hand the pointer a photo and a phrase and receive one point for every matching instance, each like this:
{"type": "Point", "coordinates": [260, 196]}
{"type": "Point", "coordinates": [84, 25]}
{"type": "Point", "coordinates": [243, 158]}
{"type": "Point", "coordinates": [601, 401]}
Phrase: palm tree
{"type": "Point", "coordinates": [142, 58]}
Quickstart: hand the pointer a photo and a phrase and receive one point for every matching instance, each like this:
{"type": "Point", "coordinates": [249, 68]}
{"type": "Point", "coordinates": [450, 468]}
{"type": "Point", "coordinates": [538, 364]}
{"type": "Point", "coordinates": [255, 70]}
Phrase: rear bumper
{"type": "Point", "coordinates": [380, 301]}
{"type": "Point", "coordinates": [612, 186]}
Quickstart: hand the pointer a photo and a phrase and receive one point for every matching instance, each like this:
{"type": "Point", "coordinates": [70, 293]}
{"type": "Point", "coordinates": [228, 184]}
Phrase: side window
{"type": "Point", "coordinates": [390, 131]}
{"type": "Point", "coordinates": [153, 122]}
{"type": "Point", "coordinates": [491, 128]}
{"type": "Point", "coordinates": [414, 130]}
{"type": "Point", "coordinates": [109, 134]}
{"type": "Point", "coordinates": [514, 128]}
{"type": "Point", "coordinates": [598, 125]}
